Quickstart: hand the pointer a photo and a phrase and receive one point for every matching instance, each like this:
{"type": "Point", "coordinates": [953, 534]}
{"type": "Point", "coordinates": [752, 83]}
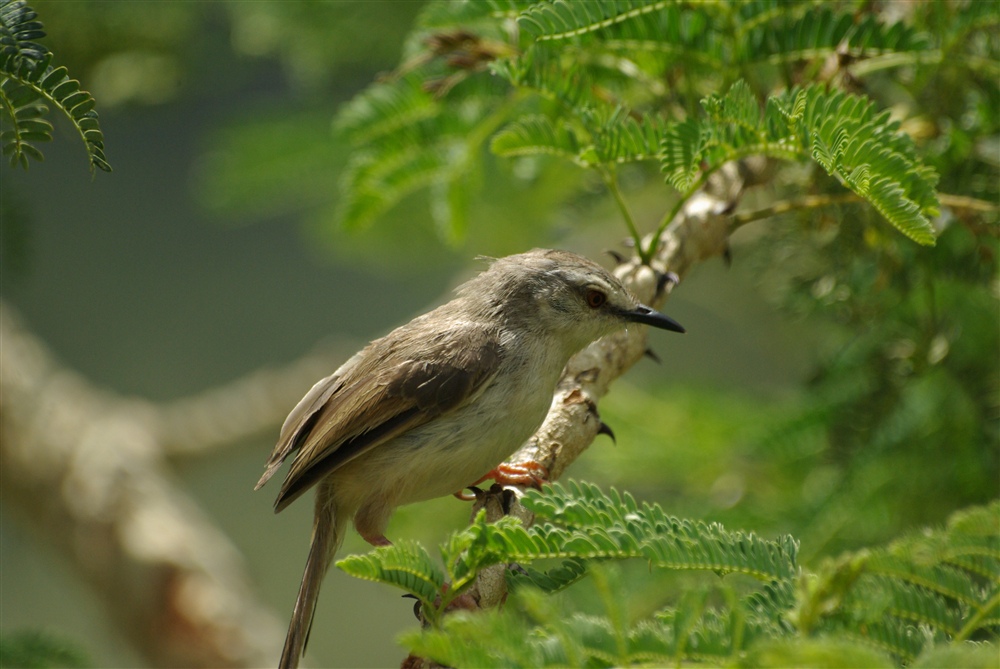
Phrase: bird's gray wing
{"type": "Point", "coordinates": [401, 382]}
{"type": "Point", "coordinates": [302, 414]}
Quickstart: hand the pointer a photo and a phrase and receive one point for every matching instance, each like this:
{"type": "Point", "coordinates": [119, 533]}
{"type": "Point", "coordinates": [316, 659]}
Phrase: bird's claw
{"type": "Point", "coordinates": [530, 473]}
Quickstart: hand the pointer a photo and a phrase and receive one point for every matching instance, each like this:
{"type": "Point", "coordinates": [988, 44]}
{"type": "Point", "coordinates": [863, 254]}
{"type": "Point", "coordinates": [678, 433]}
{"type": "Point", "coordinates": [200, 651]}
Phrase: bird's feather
{"type": "Point", "coordinates": [301, 416]}
{"type": "Point", "coordinates": [382, 395]}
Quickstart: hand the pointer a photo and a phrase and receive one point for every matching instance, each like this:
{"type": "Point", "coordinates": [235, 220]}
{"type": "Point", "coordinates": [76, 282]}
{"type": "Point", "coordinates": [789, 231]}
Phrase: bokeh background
{"type": "Point", "coordinates": [211, 251]}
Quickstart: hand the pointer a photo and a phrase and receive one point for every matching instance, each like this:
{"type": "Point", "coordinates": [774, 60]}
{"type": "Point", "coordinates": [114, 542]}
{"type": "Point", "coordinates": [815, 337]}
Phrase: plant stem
{"type": "Point", "coordinates": [974, 621]}
{"type": "Point", "coordinates": [784, 206]}
{"type": "Point", "coordinates": [963, 202]}
{"type": "Point", "coordinates": [672, 214]}
{"type": "Point", "coordinates": [612, 183]}
{"type": "Point", "coordinates": [816, 201]}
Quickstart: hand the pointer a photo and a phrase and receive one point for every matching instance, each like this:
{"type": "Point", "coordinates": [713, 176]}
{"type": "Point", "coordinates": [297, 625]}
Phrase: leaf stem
{"type": "Point", "coordinates": [672, 214]}
{"type": "Point", "coordinates": [964, 202]}
{"type": "Point", "coordinates": [817, 201]}
{"type": "Point", "coordinates": [612, 183]}
{"type": "Point", "coordinates": [784, 206]}
{"type": "Point", "coordinates": [974, 621]}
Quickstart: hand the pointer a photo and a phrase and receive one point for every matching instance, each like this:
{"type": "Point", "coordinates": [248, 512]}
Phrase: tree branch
{"type": "Point", "coordinates": [699, 231]}
{"type": "Point", "coordinates": [87, 469]}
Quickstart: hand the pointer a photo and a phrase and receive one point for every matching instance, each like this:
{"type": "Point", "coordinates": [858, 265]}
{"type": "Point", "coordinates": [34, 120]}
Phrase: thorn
{"type": "Point", "coordinates": [651, 354]}
{"type": "Point", "coordinates": [727, 255]}
{"type": "Point", "coordinates": [664, 278]}
{"type": "Point", "coordinates": [417, 606]}
{"type": "Point", "coordinates": [619, 258]}
{"type": "Point", "coordinates": [604, 429]}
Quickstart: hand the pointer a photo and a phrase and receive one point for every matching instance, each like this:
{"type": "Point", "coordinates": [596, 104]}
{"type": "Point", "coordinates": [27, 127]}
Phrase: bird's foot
{"type": "Point", "coordinates": [529, 473]}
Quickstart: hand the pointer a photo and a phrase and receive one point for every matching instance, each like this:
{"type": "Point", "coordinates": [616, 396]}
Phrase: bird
{"type": "Point", "coordinates": [439, 403]}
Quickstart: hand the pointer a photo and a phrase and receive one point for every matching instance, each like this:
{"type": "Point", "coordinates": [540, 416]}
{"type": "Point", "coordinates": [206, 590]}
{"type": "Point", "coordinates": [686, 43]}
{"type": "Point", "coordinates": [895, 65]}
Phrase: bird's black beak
{"type": "Point", "coordinates": [646, 316]}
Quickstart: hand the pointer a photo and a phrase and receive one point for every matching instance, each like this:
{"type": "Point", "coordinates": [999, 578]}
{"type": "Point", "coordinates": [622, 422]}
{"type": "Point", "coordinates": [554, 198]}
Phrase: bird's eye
{"type": "Point", "coordinates": [595, 298]}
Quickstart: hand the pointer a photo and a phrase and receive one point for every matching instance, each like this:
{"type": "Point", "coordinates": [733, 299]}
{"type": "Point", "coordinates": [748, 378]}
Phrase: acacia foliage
{"type": "Point", "coordinates": [683, 86]}
{"type": "Point", "coordinates": [29, 83]}
{"type": "Point", "coordinates": [921, 597]}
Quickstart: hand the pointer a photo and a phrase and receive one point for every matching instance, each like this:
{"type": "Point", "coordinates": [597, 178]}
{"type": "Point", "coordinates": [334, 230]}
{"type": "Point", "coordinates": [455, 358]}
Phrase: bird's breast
{"type": "Point", "coordinates": [457, 448]}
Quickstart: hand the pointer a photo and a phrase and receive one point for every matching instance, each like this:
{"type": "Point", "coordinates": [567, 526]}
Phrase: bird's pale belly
{"type": "Point", "coordinates": [449, 453]}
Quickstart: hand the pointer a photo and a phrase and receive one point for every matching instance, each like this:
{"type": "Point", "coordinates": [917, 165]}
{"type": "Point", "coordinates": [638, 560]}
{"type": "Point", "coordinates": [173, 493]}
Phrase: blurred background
{"type": "Point", "coordinates": [812, 395]}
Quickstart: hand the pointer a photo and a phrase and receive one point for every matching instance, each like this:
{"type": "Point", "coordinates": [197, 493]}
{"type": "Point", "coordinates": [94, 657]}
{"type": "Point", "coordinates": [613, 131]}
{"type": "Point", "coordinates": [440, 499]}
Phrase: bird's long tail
{"type": "Point", "coordinates": [327, 535]}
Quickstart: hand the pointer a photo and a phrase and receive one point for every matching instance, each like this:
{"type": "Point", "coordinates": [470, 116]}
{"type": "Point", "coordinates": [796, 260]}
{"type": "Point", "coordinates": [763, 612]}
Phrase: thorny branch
{"type": "Point", "coordinates": [700, 231]}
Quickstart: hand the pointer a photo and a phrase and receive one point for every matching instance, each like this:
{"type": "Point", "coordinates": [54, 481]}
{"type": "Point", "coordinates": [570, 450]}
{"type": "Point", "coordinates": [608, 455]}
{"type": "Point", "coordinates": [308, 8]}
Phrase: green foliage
{"type": "Point", "coordinates": [923, 596]}
{"type": "Point", "coordinates": [28, 82]}
{"type": "Point", "coordinates": [405, 565]}
{"type": "Point", "coordinates": [914, 593]}
{"type": "Point", "coordinates": [37, 650]}
{"type": "Point", "coordinates": [841, 132]}
{"type": "Point", "coordinates": [585, 82]}
{"type": "Point", "coordinates": [904, 380]}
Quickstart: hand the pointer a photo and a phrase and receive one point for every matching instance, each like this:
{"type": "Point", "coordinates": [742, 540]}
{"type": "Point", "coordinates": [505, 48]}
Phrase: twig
{"type": "Point", "coordinates": [785, 206]}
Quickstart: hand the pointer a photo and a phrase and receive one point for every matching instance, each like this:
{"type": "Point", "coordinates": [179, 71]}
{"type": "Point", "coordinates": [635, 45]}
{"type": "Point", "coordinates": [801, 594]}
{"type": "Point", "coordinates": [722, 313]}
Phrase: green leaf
{"type": "Point", "coordinates": [867, 152]}
{"type": "Point", "coordinates": [405, 565]}
{"type": "Point", "coordinates": [536, 134]}
{"type": "Point", "coordinates": [27, 81]}
{"type": "Point", "coordinates": [842, 133]}
{"type": "Point", "coordinates": [19, 28]}
{"type": "Point", "coordinates": [561, 19]}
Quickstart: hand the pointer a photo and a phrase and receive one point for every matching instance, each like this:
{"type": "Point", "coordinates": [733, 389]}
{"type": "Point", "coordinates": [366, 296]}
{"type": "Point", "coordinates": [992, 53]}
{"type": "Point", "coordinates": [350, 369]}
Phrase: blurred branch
{"type": "Point", "coordinates": [87, 469]}
{"type": "Point", "coordinates": [970, 203]}
{"type": "Point", "coordinates": [243, 408]}
{"type": "Point", "coordinates": [818, 201]}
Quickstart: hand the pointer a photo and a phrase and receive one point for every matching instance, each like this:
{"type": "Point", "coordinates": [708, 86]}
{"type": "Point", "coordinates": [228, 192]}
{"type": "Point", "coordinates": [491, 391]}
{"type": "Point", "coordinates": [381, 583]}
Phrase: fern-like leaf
{"type": "Point", "coordinates": [853, 141]}
{"type": "Point", "coordinates": [734, 129]}
{"type": "Point", "coordinates": [536, 134]}
{"type": "Point", "coordinates": [879, 595]}
{"type": "Point", "coordinates": [28, 83]}
{"type": "Point", "coordinates": [405, 565]}
{"type": "Point", "coordinates": [821, 33]}
{"type": "Point", "coordinates": [551, 580]}
{"type": "Point", "coordinates": [384, 109]}
{"type": "Point", "coordinates": [25, 114]}
{"type": "Point", "coordinates": [625, 137]}
{"type": "Point", "coordinates": [444, 14]}
{"type": "Point", "coordinates": [903, 600]}
{"type": "Point", "coordinates": [375, 181]}
{"type": "Point", "coordinates": [904, 597]}
{"type": "Point", "coordinates": [560, 19]}
{"type": "Point", "coordinates": [584, 522]}
{"type": "Point", "coordinates": [843, 133]}
{"type": "Point", "coordinates": [903, 640]}
{"type": "Point", "coordinates": [19, 28]}
{"type": "Point", "coordinates": [543, 70]}
{"type": "Point", "coordinates": [406, 140]}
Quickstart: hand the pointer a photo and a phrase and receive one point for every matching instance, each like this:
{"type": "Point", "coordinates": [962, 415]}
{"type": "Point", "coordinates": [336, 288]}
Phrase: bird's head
{"type": "Point", "coordinates": [564, 295]}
